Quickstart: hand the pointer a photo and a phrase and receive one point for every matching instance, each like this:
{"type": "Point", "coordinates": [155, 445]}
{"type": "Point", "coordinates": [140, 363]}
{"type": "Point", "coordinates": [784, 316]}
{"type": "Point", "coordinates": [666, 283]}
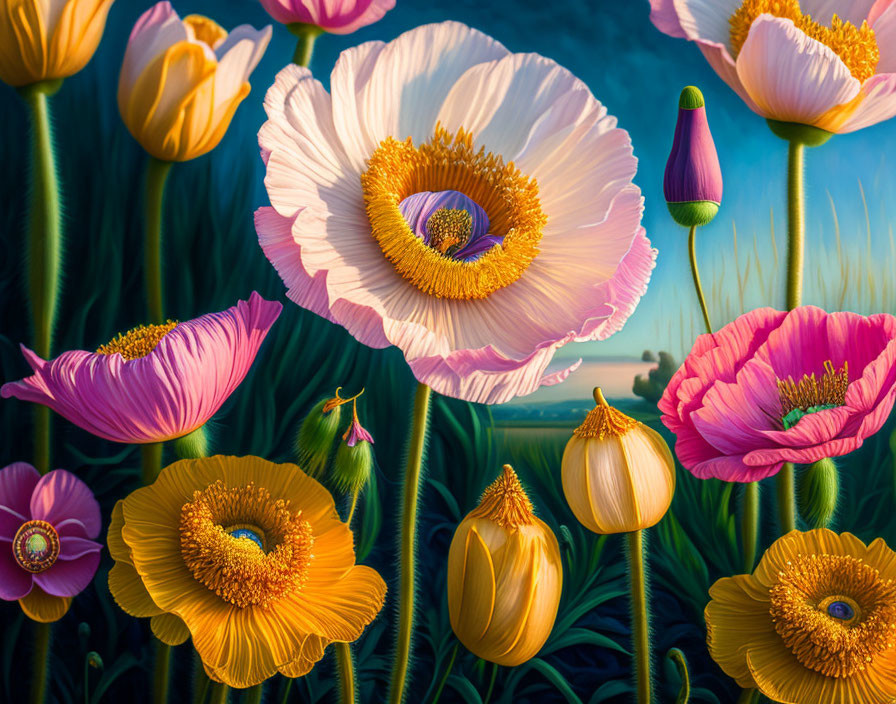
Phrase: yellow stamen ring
{"type": "Point", "coordinates": [832, 646]}
{"type": "Point", "coordinates": [856, 46]}
{"type": "Point", "coordinates": [397, 170]}
{"type": "Point", "coordinates": [138, 342]}
{"type": "Point", "coordinates": [36, 546]}
{"type": "Point", "coordinates": [235, 567]}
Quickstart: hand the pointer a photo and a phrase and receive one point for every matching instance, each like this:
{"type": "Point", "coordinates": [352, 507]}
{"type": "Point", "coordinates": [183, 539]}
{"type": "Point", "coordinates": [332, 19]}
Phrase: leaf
{"type": "Point", "coordinates": [448, 498]}
{"type": "Point", "coordinates": [582, 636]}
{"type": "Point", "coordinates": [555, 678]}
{"type": "Point", "coordinates": [608, 690]}
{"type": "Point", "coordinates": [121, 665]}
{"type": "Point", "coordinates": [463, 686]}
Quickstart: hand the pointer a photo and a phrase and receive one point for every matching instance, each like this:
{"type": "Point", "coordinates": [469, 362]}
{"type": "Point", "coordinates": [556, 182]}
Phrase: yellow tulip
{"type": "Point", "coordinates": [44, 40]}
{"type": "Point", "coordinates": [504, 576]}
{"type": "Point", "coordinates": [182, 80]}
{"type": "Point", "coordinates": [618, 474]}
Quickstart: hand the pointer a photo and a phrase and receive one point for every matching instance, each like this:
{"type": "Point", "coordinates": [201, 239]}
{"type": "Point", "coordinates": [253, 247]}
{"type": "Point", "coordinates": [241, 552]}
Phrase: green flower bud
{"type": "Point", "coordinates": [193, 445]}
{"type": "Point", "coordinates": [314, 442]}
{"type": "Point", "coordinates": [352, 467]}
{"type": "Point", "coordinates": [94, 660]}
{"type": "Point", "coordinates": [819, 488]}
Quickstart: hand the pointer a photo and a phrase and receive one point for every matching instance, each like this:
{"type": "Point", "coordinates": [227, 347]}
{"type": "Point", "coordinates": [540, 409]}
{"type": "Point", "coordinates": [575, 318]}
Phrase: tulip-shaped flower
{"type": "Point", "coordinates": [155, 383]}
{"type": "Point", "coordinates": [504, 576]}
{"type": "Point", "coordinates": [45, 41]}
{"type": "Point", "coordinates": [182, 80]}
{"type": "Point", "coordinates": [692, 182]}
{"type": "Point", "coordinates": [49, 522]}
{"type": "Point", "coordinates": [334, 16]}
{"type": "Point", "coordinates": [618, 474]}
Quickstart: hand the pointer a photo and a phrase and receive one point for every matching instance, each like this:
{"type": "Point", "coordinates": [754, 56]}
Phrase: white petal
{"type": "Point", "coordinates": [156, 30]}
{"type": "Point", "coordinates": [707, 19]}
{"type": "Point", "coordinates": [885, 33]}
{"type": "Point", "coordinates": [822, 11]}
{"type": "Point", "coordinates": [790, 76]}
{"type": "Point", "coordinates": [238, 55]}
{"type": "Point", "coordinates": [878, 103]}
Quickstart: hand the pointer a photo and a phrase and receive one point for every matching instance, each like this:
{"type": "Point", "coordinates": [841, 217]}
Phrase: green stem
{"type": "Point", "coordinates": [306, 34]}
{"type": "Point", "coordinates": [201, 681]}
{"type": "Point", "coordinates": [748, 696]}
{"type": "Point", "coordinates": [346, 669]}
{"type": "Point", "coordinates": [640, 625]}
{"type": "Point", "coordinates": [491, 684]}
{"type": "Point", "coordinates": [786, 499]}
{"type": "Point", "coordinates": [44, 247]}
{"type": "Point", "coordinates": [795, 225]}
{"type": "Point", "coordinates": [156, 175]}
{"type": "Point", "coordinates": [41, 662]}
{"type": "Point", "coordinates": [695, 272]}
{"type": "Point", "coordinates": [354, 505]}
{"type": "Point", "coordinates": [286, 690]}
{"type": "Point", "coordinates": [161, 672]}
{"type": "Point", "coordinates": [407, 571]}
{"type": "Point", "coordinates": [254, 694]}
{"type": "Point", "coordinates": [151, 454]}
{"type": "Point", "coordinates": [749, 524]}
{"type": "Point", "coordinates": [220, 693]}
{"type": "Point", "coordinates": [438, 692]}
{"type": "Point", "coordinates": [681, 664]}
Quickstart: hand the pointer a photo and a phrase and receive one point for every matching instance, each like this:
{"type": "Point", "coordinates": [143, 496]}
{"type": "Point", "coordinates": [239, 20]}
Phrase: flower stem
{"type": "Point", "coordinates": [151, 454]}
{"type": "Point", "coordinates": [41, 663]}
{"type": "Point", "coordinates": [695, 272]}
{"type": "Point", "coordinates": [786, 499]}
{"type": "Point", "coordinates": [407, 567]}
{"type": "Point", "coordinates": [438, 692]}
{"type": "Point", "coordinates": [306, 34]}
{"type": "Point", "coordinates": [491, 684]}
{"type": "Point", "coordinates": [156, 176]}
{"type": "Point", "coordinates": [44, 247]}
{"type": "Point", "coordinates": [160, 673]}
{"type": "Point", "coordinates": [351, 511]}
{"type": "Point", "coordinates": [220, 693]}
{"type": "Point", "coordinates": [201, 681]}
{"type": "Point", "coordinates": [346, 673]}
{"type": "Point", "coordinates": [640, 624]}
{"type": "Point", "coordinates": [748, 696]}
{"type": "Point", "coordinates": [749, 524]}
{"type": "Point", "coordinates": [254, 694]}
{"type": "Point", "coordinates": [286, 690]}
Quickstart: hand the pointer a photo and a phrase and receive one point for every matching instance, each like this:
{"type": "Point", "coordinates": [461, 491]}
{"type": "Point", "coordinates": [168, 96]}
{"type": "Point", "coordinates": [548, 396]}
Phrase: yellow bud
{"type": "Point", "coordinates": [618, 474]}
{"type": "Point", "coordinates": [45, 41]}
{"type": "Point", "coordinates": [504, 576]}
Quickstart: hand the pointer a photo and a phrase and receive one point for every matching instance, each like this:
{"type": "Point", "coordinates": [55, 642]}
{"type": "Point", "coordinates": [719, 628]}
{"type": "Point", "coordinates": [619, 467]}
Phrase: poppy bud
{"type": "Point", "coordinates": [193, 445]}
{"type": "Point", "coordinates": [354, 458]}
{"type": "Point", "coordinates": [693, 180]}
{"type": "Point", "coordinates": [819, 488]}
{"type": "Point", "coordinates": [618, 474]}
{"type": "Point", "coordinates": [504, 576]}
{"type": "Point", "coordinates": [314, 442]}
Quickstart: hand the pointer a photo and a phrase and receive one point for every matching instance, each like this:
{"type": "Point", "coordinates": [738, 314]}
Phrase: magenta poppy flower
{"type": "Point", "coordinates": [774, 387]}
{"type": "Point", "coordinates": [49, 522]}
{"type": "Point", "coordinates": [334, 16]}
{"type": "Point", "coordinates": [156, 382]}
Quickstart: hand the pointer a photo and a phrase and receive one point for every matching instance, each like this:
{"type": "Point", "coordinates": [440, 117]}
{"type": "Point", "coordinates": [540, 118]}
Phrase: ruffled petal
{"type": "Point", "coordinates": [15, 582]}
{"type": "Point", "coordinates": [883, 22]}
{"type": "Point", "coordinates": [130, 593]}
{"type": "Point", "coordinates": [169, 629]}
{"type": "Point", "coordinates": [70, 577]}
{"type": "Point", "coordinates": [332, 16]}
{"type": "Point", "coordinates": [17, 482]}
{"type": "Point", "coordinates": [706, 19]}
{"type": "Point", "coordinates": [665, 18]}
{"type": "Point", "coordinates": [878, 100]}
{"type": "Point", "coordinates": [44, 608]}
{"type": "Point", "coordinates": [60, 495]}
{"type": "Point", "coordinates": [820, 541]}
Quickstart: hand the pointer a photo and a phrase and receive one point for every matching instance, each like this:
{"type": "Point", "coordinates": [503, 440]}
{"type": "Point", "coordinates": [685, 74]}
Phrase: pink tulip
{"type": "Point", "coordinates": [334, 16]}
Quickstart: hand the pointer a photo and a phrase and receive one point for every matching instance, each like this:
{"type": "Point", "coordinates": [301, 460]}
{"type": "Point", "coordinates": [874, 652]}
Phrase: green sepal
{"type": "Point", "coordinates": [807, 135]}
{"type": "Point", "coordinates": [693, 213]}
{"type": "Point", "coordinates": [352, 466]}
{"type": "Point", "coordinates": [314, 441]}
{"type": "Point", "coordinates": [48, 87]}
{"type": "Point", "coordinates": [193, 445]}
{"type": "Point", "coordinates": [818, 492]}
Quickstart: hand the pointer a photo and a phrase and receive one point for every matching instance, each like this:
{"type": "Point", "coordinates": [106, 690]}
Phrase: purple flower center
{"type": "Point", "coordinates": [449, 222]}
{"type": "Point", "coordinates": [36, 546]}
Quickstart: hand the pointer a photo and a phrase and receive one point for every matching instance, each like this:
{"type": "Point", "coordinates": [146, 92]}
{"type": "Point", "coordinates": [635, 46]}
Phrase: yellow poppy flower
{"type": "Point", "coordinates": [43, 41]}
{"type": "Point", "coordinates": [816, 621]}
{"type": "Point", "coordinates": [247, 557]}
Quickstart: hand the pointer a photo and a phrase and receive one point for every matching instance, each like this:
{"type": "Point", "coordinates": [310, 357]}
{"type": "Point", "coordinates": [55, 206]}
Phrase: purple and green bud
{"type": "Point", "coordinates": [314, 442]}
{"type": "Point", "coordinates": [354, 459]}
{"type": "Point", "coordinates": [692, 183]}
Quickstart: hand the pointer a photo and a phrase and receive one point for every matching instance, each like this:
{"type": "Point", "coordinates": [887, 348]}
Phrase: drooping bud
{"type": "Point", "coordinates": [818, 492]}
{"type": "Point", "coordinates": [692, 182]}
{"type": "Point", "coordinates": [193, 445]}
{"type": "Point", "coordinates": [504, 576]}
{"type": "Point", "coordinates": [618, 475]}
{"type": "Point", "coordinates": [314, 443]}
{"type": "Point", "coordinates": [354, 458]}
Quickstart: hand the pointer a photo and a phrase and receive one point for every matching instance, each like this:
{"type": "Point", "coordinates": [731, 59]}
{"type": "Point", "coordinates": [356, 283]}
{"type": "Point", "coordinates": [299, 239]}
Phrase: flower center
{"type": "Point", "coordinates": [856, 46]}
{"type": "Point", "coordinates": [138, 342]}
{"type": "Point", "coordinates": [834, 613]}
{"type": "Point", "coordinates": [811, 395]}
{"type": "Point", "coordinates": [456, 222]}
{"type": "Point", "coordinates": [243, 545]}
{"type": "Point", "coordinates": [505, 502]}
{"type": "Point", "coordinates": [36, 546]}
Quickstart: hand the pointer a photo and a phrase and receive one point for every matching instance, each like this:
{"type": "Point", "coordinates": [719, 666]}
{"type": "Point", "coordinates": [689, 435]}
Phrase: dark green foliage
{"type": "Point", "coordinates": [651, 388]}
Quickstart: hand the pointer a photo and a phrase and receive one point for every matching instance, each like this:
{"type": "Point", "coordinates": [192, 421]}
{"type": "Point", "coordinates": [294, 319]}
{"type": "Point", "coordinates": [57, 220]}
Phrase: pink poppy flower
{"type": "Point", "coordinates": [831, 65]}
{"type": "Point", "coordinates": [334, 16]}
{"type": "Point", "coordinates": [471, 206]}
{"type": "Point", "coordinates": [47, 523]}
{"type": "Point", "coordinates": [774, 387]}
{"type": "Point", "coordinates": [156, 382]}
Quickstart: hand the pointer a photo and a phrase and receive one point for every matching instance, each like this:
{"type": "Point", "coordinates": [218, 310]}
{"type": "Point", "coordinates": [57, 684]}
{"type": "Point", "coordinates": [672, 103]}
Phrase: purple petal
{"type": "Point", "coordinates": [476, 248]}
{"type": "Point", "coordinates": [69, 577]}
{"type": "Point", "coordinates": [17, 482]}
{"type": "Point", "coordinates": [72, 547]}
{"type": "Point", "coordinates": [692, 172]}
{"type": "Point", "coordinates": [14, 581]}
{"type": "Point", "coordinates": [356, 433]}
{"type": "Point", "coordinates": [419, 207]}
{"type": "Point", "coordinates": [60, 495]}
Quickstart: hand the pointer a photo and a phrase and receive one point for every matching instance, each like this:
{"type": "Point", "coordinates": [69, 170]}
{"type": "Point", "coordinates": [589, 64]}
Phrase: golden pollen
{"type": "Point", "coordinates": [243, 545]}
{"type": "Point", "coordinates": [446, 162]}
{"type": "Point", "coordinates": [834, 613]}
{"type": "Point", "coordinates": [35, 546]}
{"type": "Point", "coordinates": [505, 502]}
{"type": "Point", "coordinates": [449, 229]}
{"type": "Point", "coordinates": [856, 46]}
{"type": "Point", "coordinates": [604, 421]}
{"type": "Point", "coordinates": [138, 342]}
{"type": "Point", "coordinates": [811, 394]}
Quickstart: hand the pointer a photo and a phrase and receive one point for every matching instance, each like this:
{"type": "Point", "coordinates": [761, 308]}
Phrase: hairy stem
{"type": "Point", "coordinates": [151, 455]}
{"type": "Point", "coordinates": [407, 558]}
{"type": "Point", "coordinates": [786, 499]}
{"type": "Point", "coordinates": [695, 272]}
{"type": "Point", "coordinates": [156, 176]}
{"type": "Point", "coordinates": [640, 623]}
{"type": "Point", "coordinates": [161, 673]}
{"type": "Point", "coordinates": [306, 35]}
{"type": "Point", "coordinates": [346, 673]}
{"type": "Point", "coordinates": [749, 524]}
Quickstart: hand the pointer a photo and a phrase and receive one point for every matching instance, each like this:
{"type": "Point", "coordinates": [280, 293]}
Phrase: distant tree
{"type": "Point", "coordinates": [652, 386]}
{"type": "Point", "coordinates": [648, 356]}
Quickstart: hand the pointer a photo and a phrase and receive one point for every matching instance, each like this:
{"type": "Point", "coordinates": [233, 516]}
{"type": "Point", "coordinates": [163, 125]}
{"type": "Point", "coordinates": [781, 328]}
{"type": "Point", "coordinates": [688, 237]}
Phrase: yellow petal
{"type": "Point", "coordinates": [311, 650]}
{"type": "Point", "coordinates": [814, 542]}
{"type": "Point", "coordinates": [44, 608]}
{"type": "Point", "coordinates": [23, 42]}
{"type": "Point", "coordinates": [882, 558]}
{"type": "Point", "coordinates": [130, 593]}
{"type": "Point", "coordinates": [737, 620]}
{"type": "Point", "coordinates": [471, 598]}
{"type": "Point", "coordinates": [169, 629]}
{"type": "Point", "coordinates": [205, 29]}
{"type": "Point", "coordinates": [76, 36]}
{"type": "Point", "coordinates": [117, 547]}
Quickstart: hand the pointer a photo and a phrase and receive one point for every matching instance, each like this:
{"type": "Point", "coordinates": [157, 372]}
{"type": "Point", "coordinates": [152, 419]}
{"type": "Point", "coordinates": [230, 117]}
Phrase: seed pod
{"type": "Point", "coordinates": [504, 576]}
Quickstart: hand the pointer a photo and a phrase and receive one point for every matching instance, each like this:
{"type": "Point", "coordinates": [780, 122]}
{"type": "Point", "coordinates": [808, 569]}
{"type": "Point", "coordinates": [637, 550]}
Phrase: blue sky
{"type": "Point", "coordinates": [637, 72]}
